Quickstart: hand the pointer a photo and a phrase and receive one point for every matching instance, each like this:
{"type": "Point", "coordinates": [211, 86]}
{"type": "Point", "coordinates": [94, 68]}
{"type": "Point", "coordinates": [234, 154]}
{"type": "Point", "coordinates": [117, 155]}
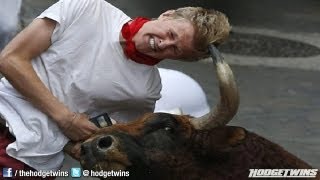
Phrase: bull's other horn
{"type": "Point", "coordinates": [229, 96]}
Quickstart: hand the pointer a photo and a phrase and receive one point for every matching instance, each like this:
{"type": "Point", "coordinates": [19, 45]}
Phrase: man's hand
{"type": "Point", "coordinates": [78, 127]}
{"type": "Point", "coordinates": [76, 150]}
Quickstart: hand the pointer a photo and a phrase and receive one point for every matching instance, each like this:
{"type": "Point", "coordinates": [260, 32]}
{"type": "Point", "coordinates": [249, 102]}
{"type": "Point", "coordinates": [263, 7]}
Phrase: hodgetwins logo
{"type": "Point", "coordinates": [283, 173]}
{"type": "Point", "coordinates": [7, 172]}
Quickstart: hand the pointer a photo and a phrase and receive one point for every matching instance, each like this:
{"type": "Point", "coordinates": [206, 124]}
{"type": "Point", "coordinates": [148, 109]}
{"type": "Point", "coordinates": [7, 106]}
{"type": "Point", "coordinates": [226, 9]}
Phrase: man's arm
{"type": "Point", "coordinates": [15, 65]}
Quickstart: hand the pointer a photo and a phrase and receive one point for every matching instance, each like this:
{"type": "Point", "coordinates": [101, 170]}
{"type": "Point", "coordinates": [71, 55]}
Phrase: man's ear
{"type": "Point", "coordinates": [166, 14]}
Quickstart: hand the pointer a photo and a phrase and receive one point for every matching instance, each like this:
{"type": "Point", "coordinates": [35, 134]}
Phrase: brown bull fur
{"type": "Point", "coordinates": [222, 153]}
{"type": "Point", "coordinates": [226, 152]}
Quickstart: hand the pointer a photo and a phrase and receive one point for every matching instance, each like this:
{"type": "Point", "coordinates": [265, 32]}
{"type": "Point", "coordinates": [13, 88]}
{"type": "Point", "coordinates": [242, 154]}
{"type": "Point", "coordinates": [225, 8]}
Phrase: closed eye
{"type": "Point", "coordinates": [171, 35]}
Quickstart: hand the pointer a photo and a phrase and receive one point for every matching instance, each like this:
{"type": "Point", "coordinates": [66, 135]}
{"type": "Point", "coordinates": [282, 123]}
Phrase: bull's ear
{"type": "Point", "coordinates": [232, 136]}
{"type": "Point", "coordinates": [219, 140]}
{"type": "Point", "coordinates": [227, 137]}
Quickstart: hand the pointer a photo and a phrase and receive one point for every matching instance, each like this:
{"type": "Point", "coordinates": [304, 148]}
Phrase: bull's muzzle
{"type": "Point", "coordinates": [98, 147]}
{"type": "Point", "coordinates": [93, 151]}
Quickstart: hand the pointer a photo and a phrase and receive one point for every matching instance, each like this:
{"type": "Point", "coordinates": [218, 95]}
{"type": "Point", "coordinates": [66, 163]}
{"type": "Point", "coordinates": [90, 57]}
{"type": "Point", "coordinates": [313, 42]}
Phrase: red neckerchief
{"type": "Point", "coordinates": [128, 31]}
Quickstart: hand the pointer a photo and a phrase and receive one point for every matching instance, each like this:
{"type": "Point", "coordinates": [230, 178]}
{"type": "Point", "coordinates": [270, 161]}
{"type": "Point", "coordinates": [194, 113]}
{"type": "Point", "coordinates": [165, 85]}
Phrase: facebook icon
{"type": "Point", "coordinates": [7, 172]}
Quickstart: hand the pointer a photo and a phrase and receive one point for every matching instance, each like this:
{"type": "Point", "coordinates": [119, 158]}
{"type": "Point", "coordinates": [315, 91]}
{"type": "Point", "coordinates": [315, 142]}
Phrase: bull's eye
{"type": "Point", "coordinates": [168, 128]}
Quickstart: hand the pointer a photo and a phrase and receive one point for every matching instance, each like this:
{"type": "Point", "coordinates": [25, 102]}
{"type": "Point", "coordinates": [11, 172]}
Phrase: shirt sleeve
{"type": "Point", "coordinates": [154, 90]}
{"type": "Point", "coordinates": [66, 13]}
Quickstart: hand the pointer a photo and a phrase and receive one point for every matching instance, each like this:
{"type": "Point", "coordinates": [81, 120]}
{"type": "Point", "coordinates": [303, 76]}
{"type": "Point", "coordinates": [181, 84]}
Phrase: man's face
{"type": "Point", "coordinates": [165, 38]}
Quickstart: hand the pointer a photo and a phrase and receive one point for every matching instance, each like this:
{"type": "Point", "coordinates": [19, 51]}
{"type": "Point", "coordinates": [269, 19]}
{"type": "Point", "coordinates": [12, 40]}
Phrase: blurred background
{"type": "Point", "coordinates": [274, 51]}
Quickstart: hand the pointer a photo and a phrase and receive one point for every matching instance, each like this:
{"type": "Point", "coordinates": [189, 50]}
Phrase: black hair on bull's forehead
{"type": "Point", "coordinates": [160, 121]}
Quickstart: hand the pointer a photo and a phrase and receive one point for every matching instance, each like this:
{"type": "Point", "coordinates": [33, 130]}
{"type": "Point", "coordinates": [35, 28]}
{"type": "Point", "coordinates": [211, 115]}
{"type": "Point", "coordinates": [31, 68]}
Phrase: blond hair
{"type": "Point", "coordinates": [211, 27]}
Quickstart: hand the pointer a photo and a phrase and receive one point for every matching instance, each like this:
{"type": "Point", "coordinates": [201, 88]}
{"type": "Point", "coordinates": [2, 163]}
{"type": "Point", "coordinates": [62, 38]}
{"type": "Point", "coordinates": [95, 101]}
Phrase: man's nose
{"type": "Point", "coordinates": [165, 43]}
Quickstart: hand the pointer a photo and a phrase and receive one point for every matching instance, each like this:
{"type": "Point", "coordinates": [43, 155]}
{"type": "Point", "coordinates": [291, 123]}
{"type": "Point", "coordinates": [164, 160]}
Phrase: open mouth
{"type": "Point", "coordinates": [87, 159]}
{"type": "Point", "coordinates": [106, 165]}
{"type": "Point", "coordinates": [152, 43]}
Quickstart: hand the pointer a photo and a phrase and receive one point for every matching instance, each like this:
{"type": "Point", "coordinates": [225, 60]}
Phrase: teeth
{"type": "Point", "coordinates": [152, 43]}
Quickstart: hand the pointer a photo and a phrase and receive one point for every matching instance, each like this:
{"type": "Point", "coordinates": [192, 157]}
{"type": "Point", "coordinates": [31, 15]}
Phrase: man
{"type": "Point", "coordinates": [82, 58]}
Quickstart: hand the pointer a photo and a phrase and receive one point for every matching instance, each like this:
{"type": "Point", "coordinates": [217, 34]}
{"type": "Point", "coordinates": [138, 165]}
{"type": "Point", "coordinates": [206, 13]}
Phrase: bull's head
{"type": "Point", "coordinates": [181, 147]}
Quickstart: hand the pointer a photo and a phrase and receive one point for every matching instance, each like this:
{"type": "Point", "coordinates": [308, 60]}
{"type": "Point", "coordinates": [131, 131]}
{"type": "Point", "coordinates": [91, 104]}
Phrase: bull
{"type": "Point", "coordinates": [167, 146]}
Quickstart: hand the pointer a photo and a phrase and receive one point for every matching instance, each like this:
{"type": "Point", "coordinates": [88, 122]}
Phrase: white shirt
{"type": "Point", "coordinates": [85, 68]}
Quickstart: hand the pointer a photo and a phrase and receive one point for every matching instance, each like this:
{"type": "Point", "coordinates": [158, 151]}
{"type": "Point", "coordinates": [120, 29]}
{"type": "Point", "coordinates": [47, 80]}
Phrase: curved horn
{"type": "Point", "coordinates": [229, 96]}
